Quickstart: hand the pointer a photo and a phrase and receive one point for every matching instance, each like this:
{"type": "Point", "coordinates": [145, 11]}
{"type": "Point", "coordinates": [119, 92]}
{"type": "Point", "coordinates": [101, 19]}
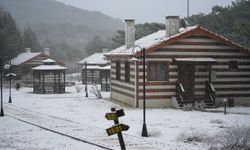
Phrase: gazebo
{"type": "Point", "coordinates": [49, 78]}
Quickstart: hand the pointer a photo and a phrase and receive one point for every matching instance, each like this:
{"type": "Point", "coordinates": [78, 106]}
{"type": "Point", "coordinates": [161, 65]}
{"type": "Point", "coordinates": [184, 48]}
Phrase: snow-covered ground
{"type": "Point", "coordinates": [170, 127]}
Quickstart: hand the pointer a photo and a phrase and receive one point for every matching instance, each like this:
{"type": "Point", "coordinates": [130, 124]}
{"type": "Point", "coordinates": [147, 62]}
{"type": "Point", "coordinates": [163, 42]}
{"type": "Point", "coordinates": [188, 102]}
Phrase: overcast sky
{"type": "Point", "coordinates": [146, 10]}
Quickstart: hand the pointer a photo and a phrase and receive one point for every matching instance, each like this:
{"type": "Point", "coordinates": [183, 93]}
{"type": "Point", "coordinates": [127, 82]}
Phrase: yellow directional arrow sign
{"type": "Point", "coordinates": [111, 116]}
{"type": "Point", "coordinates": [117, 128]}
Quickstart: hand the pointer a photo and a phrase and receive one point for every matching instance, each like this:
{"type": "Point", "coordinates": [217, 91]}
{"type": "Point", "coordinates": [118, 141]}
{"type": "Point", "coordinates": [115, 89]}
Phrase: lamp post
{"type": "Point", "coordinates": [9, 76]}
{"type": "Point", "coordinates": [86, 79]}
{"type": "Point", "coordinates": [144, 126]}
{"type": "Point", "coordinates": [187, 9]}
{"type": "Point", "coordinates": [1, 65]}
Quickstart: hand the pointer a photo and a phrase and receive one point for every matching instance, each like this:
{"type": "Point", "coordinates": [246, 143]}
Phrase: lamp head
{"type": "Point", "coordinates": [133, 59]}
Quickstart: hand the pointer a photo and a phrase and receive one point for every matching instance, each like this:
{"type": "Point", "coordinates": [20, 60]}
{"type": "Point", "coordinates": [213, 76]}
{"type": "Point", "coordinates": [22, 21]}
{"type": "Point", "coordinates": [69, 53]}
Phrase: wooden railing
{"type": "Point", "coordinates": [180, 92]}
{"type": "Point", "coordinates": [210, 92]}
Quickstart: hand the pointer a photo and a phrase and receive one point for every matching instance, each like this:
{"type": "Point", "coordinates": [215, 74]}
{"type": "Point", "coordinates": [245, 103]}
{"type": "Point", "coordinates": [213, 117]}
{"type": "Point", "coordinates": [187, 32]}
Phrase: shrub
{"type": "Point", "coordinates": [236, 138]}
{"type": "Point", "coordinates": [233, 138]}
{"type": "Point", "coordinates": [78, 88]}
{"type": "Point", "coordinates": [94, 89]}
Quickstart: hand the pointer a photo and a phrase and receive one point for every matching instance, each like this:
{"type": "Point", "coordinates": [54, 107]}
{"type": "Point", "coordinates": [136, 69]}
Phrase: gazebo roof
{"type": "Point", "coordinates": [49, 67]}
{"type": "Point", "coordinates": [95, 59]}
{"type": "Point", "coordinates": [49, 61]}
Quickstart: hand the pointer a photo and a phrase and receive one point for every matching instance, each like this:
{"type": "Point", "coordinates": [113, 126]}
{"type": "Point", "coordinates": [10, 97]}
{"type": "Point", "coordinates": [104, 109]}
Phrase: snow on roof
{"type": "Point", "coordinates": [12, 74]}
{"type": "Point", "coordinates": [49, 67]}
{"type": "Point", "coordinates": [96, 58]}
{"type": "Point", "coordinates": [108, 67]}
{"type": "Point", "coordinates": [195, 59]}
{"type": "Point", "coordinates": [96, 67]}
{"type": "Point", "coordinates": [148, 41]}
{"type": "Point", "coordinates": [22, 57]}
{"type": "Point", "coordinates": [49, 61]}
{"type": "Point", "coordinates": [92, 67]}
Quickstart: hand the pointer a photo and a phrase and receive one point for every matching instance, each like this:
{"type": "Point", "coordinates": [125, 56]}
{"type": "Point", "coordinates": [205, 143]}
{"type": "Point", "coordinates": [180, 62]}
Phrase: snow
{"type": "Point", "coordinates": [22, 57]}
{"type": "Point", "coordinates": [48, 61]}
{"type": "Point", "coordinates": [96, 67]}
{"type": "Point", "coordinates": [148, 41]}
{"type": "Point", "coordinates": [49, 67]}
{"type": "Point", "coordinates": [95, 59]}
{"type": "Point", "coordinates": [167, 128]}
{"type": "Point", "coordinates": [108, 67]}
{"type": "Point", "coordinates": [195, 59]}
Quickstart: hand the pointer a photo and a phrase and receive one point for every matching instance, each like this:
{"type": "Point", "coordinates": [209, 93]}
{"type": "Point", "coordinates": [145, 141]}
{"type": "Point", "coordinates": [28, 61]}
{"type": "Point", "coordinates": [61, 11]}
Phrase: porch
{"type": "Point", "coordinates": [186, 92]}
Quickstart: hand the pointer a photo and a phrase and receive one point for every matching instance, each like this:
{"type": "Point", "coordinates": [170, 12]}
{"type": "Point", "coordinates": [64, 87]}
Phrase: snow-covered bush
{"type": "Point", "coordinates": [216, 121]}
{"type": "Point", "coordinates": [199, 106]}
{"type": "Point", "coordinates": [236, 138]}
{"type": "Point", "coordinates": [97, 92]}
{"type": "Point", "coordinates": [78, 87]}
{"type": "Point", "coordinates": [193, 135]}
{"type": "Point", "coordinates": [187, 107]}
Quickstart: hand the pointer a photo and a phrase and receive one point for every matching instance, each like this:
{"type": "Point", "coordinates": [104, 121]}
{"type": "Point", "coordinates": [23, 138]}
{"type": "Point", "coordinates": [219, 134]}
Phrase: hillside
{"type": "Point", "coordinates": [59, 23]}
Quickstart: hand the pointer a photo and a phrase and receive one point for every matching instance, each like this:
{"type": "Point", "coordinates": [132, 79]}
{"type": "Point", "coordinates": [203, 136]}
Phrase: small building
{"type": "Point", "coordinates": [23, 63]}
{"type": "Point", "coordinates": [96, 69]}
{"type": "Point", "coordinates": [186, 65]}
{"type": "Point", "coordinates": [49, 78]}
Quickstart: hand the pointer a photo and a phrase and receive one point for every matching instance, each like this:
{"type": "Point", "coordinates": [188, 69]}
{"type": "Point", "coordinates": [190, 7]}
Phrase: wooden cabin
{"type": "Point", "coordinates": [23, 63]}
{"type": "Point", "coordinates": [95, 69]}
{"type": "Point", "coordinates": [186, 65]}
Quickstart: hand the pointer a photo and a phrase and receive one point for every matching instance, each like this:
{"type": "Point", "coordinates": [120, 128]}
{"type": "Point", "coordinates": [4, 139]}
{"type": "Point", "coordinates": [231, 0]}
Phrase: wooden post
{"type": "Point", "coordinates": [34, 81]}
{"type": "Point", "coordinates": [59, 79]}
{"type": "Point", "coordinates": [210, 73]}
{"type": "Point", "coordinates": [106, 80]}
{"type": "Point", "coordinates": [43, 83]}
{"type": "Point", "coordinates": [120, 137]}
{"type": "Point", "coordinates": [100, 72]}
{"type": "Point", "coordinates": [64, 81]}
{"type": "Point", "coordinates": [54, 81]}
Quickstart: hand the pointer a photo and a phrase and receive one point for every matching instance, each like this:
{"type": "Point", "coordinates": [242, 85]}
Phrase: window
{"type": "Point", "coordinates": [118, 70]}
{"type": "Point", "coordinates": [233, 65]}
{"type": "Point", "coordinates": [157, 71]}
{"type": "Point", "coordinates": [127, 71]}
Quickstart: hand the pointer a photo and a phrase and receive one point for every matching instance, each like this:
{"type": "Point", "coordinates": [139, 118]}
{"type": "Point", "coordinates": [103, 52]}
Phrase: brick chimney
{"type": "Point", "coordinates": [129, 33]}
{"type": "Point", "coordinates": [172, 25]}
{"type": "Point", "coordinates": [46, 51]}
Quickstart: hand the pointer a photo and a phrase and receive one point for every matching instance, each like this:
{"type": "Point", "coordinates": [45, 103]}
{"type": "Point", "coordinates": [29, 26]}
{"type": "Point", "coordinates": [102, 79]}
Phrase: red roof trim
{"type": "Point", "coordinates": [194, 31]}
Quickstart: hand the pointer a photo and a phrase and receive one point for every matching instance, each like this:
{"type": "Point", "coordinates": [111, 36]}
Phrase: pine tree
{"type": "Point", "coordinates": [30, 40]}
{"type": "Point", "coordinates": [10, 37]}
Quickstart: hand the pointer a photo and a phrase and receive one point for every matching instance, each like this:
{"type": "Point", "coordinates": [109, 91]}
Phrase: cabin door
{"type": "Point", "coordinates": [186, 78]}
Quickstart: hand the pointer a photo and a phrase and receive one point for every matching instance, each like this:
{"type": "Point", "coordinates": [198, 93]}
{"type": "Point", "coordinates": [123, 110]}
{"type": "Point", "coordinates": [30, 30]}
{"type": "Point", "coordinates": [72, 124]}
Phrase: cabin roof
{"type": "Point", "coordinates": [96, 58]}
{"type": "Point", "coordinates": [23, 57]}
{"type": "Point", "coordinates": [158, 39]}
{"type": "Point", "coordinates": [27, 56]}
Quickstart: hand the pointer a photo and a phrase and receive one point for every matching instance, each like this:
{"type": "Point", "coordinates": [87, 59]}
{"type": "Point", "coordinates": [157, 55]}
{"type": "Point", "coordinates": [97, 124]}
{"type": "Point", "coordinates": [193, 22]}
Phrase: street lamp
{"type": "Point", "coordinates": [1, 65]}
{"type": "Point", "coordinates": [144, 126]}
{"type": "Point", "coordinates": [86, 79]}
{"type": "Point", "coordinates": [9, 76]}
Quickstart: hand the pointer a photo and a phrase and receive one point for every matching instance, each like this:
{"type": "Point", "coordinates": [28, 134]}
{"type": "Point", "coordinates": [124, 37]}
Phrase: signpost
{"type": "Point", "coordinates": [117, 128]}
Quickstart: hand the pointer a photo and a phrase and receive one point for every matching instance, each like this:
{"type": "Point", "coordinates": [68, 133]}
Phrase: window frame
{"type": "Point", "coordinates": [166, 64]}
